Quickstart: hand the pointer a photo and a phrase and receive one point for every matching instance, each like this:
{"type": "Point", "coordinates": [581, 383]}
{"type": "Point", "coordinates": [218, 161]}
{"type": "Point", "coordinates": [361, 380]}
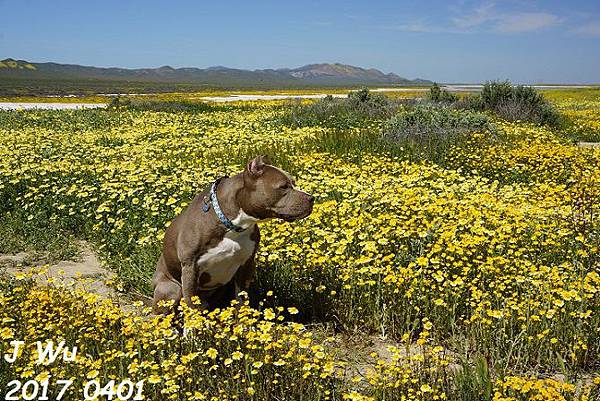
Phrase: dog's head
{"type": "Point", "coordinates": [269, 192]}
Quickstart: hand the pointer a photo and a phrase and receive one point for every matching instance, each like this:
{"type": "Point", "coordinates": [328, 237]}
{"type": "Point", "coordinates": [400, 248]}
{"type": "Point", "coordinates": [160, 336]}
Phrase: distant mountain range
{"type": "Point", "coordinates": [308, 75]}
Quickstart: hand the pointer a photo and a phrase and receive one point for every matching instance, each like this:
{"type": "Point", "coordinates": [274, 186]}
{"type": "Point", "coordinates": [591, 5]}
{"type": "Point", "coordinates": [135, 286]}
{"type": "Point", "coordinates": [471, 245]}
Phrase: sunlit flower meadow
{"type": "Point", "coordinates": [482, 274]}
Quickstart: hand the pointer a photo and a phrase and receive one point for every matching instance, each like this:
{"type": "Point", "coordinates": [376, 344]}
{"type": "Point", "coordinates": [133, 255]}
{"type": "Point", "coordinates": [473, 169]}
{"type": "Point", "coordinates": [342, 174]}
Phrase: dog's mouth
{"type": "Point", "coordinates": [293, 217]}
{"type": "Point", "coordinates": [290, 218]}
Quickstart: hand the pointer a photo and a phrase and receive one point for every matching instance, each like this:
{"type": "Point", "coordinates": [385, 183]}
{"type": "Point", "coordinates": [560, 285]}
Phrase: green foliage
{"type": "Point", "coordinates": [514, 103]}
{"type": "Point", "coordinates": [473, 382]}
{"type": "Point", "coordinates": [40, 237]}
{"type": "Point", "coordinates": [364, 98]}
{"type": "Point", "coordinates": [289, 290]}
{"type": "Point", "coordinates": [427, 124]}
{"type": "Point", "coordinates": [430, 131]}
{"type": "Point", "coordinates": [118, 102]}
{"type": "Point", "coordinates": [439, 95]}
{"type": "Point", "coordinates": [359, 107]}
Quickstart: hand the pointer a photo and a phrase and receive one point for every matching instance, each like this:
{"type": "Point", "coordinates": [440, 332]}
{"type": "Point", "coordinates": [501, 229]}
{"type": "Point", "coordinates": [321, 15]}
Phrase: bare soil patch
{"type": "Point", "coordinates": [86, 272]}
{"type": "Point", "coordinates": [588, 144]}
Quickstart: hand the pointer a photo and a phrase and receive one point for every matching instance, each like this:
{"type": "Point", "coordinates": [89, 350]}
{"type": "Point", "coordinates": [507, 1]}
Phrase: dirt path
{"type": "Point", "coordinates": [588, 144]}
{"type": "Point", "coordinates": [86, 272]}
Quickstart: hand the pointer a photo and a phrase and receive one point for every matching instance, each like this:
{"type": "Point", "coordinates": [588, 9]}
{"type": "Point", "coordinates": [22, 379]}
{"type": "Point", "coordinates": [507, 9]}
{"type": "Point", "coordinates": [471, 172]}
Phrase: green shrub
{"type": "Point", "coordinates": [368, 102]}
{"type": "Point", "coordinates": [431, 130]}
{"type": "Point", "coordinates": [514, 103]}
{"type": "Point", "coordinates": [360, 106]}
{"type": "Point", "coordinates": [118, 102]}
{"type": "Point", "coordinates": [426, 121]}
{"type": "Point", "coordinates": [439, 95]}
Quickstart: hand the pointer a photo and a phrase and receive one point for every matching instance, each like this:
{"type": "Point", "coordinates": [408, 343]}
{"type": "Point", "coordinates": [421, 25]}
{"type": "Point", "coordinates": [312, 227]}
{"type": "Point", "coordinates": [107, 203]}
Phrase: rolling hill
{"type": "Point", "coordinates": [44, 75]}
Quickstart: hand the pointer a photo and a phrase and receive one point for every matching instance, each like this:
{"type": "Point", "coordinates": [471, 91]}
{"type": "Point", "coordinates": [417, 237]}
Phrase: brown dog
{"type": "Point", "coordinates": [212, 243]}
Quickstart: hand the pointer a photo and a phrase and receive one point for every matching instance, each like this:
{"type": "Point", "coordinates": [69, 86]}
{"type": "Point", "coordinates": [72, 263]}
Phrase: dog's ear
{"type": "Point", "coordinates": [256, 166]}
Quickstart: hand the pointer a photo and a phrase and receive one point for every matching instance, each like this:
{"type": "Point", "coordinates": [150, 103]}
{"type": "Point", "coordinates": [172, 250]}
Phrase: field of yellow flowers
{"type": "Point", "coordinates": [482, 272]}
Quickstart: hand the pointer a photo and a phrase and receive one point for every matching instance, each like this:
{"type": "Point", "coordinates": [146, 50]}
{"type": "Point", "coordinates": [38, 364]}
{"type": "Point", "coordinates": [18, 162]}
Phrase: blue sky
{"type": "Point", "coordinates": [447, 41]}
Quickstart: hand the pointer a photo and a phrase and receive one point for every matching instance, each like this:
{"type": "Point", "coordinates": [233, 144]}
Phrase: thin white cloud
{"type": "Point", "coordinates": [416, 26]}
{"type": "Point", "coordinates": [526, 22]}
{"type": "Point", "coordinates": [487, 17]}
{"type": "Point", "coordinates": [322, 23]}
{"type": "Point", "coordinates": [481, 15]}
{"type": "Point", "coordinates": [589, 29]}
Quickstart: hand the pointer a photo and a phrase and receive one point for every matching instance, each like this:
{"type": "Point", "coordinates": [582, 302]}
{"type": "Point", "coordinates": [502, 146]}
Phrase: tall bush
{"type": "Point", "coordinates": [522, 103]}
{"type": "Point", "coordinates": [439, 95]}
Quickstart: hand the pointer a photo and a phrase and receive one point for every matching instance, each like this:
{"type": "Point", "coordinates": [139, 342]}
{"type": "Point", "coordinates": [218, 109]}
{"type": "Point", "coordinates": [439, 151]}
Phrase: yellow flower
{"type": "Point", "coordinates": [42, 376]}
{"type": "Point", "coordinates": [6, 333]}
{"type": "Point", "coordinates": [211, 353]}
{"type": "Point", "coordinates": [269, 315]}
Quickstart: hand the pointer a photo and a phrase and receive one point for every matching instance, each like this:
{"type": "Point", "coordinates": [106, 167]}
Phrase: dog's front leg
{"type": "Point", "coordinates": [245, 274]}
{"type": "Point", "coordinates": [189, 283]}
{"type": "Point", "coordinates": [244, 277]}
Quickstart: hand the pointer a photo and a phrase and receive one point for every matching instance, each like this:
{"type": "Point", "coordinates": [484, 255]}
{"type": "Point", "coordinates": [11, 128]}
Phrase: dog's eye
{"type": "Point", "coordinates": [285, 185]}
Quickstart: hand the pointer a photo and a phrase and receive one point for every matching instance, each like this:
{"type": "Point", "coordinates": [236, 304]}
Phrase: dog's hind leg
{"type": "Point", "coordinates": [165, 289]}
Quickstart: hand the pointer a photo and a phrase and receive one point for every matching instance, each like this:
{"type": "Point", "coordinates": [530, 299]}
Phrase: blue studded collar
{"type": "Point", "coordinates": [215, 205]}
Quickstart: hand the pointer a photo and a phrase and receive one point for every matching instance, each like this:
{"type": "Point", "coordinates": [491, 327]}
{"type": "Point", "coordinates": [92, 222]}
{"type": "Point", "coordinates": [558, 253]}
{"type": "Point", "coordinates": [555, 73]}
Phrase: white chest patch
{"type": "Point", "coordinates": [223, 261]}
